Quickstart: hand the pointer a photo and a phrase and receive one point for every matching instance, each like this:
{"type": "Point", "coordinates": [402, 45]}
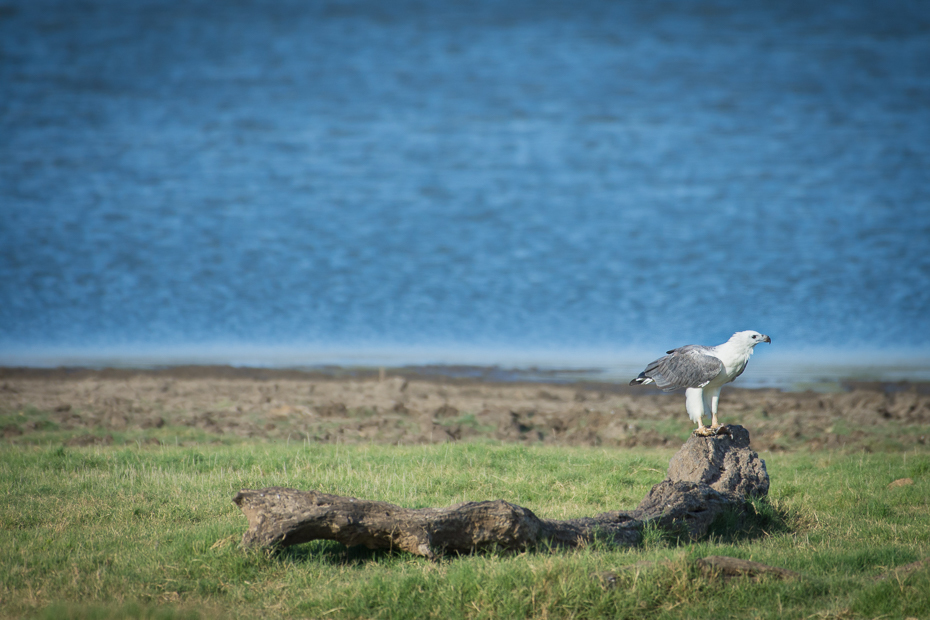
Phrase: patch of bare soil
{"type": "Point", "coordinates": [345, 407]}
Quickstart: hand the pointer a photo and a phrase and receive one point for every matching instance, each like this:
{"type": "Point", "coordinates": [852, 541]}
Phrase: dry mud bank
{"type": "Point", "coordinates": [409, 407]}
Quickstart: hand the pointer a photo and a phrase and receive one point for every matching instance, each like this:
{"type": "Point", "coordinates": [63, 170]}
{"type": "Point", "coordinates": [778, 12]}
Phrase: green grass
{"type": "Point", "coordinates": [144, 531]}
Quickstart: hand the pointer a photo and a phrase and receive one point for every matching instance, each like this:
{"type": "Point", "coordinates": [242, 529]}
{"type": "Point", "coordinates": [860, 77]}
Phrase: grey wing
{"type": "Point", "coordinates": [690, 366]}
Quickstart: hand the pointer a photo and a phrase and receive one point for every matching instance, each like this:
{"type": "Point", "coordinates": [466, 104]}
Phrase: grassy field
{"type": "Point", "coordinates": [149, 531]}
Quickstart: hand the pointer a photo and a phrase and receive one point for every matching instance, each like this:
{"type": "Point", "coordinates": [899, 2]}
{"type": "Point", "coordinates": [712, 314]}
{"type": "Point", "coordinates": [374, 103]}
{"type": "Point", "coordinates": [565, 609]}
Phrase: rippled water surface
{"type": "Point", "coordinates": [584, 176]}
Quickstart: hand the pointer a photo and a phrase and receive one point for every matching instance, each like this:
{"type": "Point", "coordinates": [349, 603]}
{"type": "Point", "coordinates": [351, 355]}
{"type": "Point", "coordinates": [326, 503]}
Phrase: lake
{"type": "Point", "coordinates": [550, 184]}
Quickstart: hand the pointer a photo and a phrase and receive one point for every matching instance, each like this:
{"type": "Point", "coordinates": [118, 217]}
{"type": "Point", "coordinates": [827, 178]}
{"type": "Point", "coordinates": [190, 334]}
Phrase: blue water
{"type": "Point", "coordinates": [294, 181]}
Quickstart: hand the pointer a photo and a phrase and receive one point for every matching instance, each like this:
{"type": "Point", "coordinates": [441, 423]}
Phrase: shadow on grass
{"type": "Point", "coordinates": [337, 554]}
{"type": "Point", "coordinates": [115, 611]}
{"type": "Point", "coordinates": [902, 596]}
{"type": "Point", "coordinates": [757, 518]}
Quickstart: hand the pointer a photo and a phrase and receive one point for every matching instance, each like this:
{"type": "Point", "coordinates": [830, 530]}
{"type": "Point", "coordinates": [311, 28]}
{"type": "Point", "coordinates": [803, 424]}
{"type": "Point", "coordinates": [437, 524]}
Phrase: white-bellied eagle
{"type": "Point", "coordinates": [702, 371]}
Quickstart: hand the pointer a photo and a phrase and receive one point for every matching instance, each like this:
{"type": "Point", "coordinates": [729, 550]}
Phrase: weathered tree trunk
{"type": "Point", "coordinates": [282, 517]}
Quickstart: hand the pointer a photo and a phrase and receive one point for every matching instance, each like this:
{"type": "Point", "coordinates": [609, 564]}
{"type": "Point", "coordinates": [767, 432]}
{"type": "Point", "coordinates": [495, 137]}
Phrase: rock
{"type": "Point", "coordinates": [90, 440]}
{"type": "Point", "coordinates": [734, 567]}
{"type": "Point", "coordinates": [725, 463]}
{"type": "Point", "coordinates": [707, 477]}
{"type": "Point", "coordinates": [446, 411]}
{"type": "Point", "coordinates": [115, 421]}
{"type": "Point", "coordinates": [333, 410]}
{"type": "Point", "coordinates": [153, 422]}
{"type": "Point", "coordinates": [607, 579]}
{"type": "Point", "coordinates": [903, 571]}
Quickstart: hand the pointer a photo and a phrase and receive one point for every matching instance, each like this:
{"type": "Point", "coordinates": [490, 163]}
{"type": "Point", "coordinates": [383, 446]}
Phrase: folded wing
{"type": "Point", "coordinates": [690, 366]}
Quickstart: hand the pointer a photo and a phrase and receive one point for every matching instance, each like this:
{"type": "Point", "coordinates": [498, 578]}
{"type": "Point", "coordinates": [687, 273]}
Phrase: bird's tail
{"type": "Point", "coordinates": [642, 379]}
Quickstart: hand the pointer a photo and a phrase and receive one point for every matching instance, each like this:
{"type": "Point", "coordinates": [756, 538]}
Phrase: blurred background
{"type": "Point", "coordinates": [529, 184]}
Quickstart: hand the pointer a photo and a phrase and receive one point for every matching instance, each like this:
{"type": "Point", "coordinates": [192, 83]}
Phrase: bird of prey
{"type": "Point", "coordinates": [702, 371]}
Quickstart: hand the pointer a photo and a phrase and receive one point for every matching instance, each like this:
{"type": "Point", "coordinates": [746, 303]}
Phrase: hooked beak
{"type": "Point", "coordinates": [766, 339]}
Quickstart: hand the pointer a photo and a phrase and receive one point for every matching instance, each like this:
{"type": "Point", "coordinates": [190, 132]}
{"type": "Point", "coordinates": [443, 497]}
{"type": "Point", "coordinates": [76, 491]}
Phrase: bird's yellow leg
{"type": "Point", "coordinates": [714, 399]}
{"type": "Point", "coordinates": [702, 430]}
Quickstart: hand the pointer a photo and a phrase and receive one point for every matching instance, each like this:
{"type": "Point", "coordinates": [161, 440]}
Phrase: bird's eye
{"type": "Point", "coordinates": [754, 337]}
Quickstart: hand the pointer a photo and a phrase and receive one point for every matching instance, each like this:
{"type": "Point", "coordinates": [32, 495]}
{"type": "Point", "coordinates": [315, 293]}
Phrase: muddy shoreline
{"type": "Point", "coordinates": [430, 405]}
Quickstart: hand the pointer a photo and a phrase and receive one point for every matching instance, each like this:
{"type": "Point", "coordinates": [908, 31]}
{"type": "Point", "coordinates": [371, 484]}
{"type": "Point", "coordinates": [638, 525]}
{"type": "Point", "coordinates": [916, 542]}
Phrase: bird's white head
{"type": "Point", "coordinates": [749, 338]}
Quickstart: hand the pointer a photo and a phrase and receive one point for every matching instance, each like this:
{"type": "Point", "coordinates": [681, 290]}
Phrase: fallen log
{"type": "Point", "coordinates": [280, 517]}
{"type": "Point", "coordinates": [283, 517]}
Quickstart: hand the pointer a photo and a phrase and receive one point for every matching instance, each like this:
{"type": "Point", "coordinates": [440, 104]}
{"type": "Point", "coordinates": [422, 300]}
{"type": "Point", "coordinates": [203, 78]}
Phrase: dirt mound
{"type": "Point", "coordinates": [338, 407]}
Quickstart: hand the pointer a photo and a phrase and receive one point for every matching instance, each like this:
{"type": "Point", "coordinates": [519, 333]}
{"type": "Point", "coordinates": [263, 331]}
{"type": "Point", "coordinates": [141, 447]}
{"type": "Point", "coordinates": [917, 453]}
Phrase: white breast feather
{"type": "Point", "coordinates": [734, 359]}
